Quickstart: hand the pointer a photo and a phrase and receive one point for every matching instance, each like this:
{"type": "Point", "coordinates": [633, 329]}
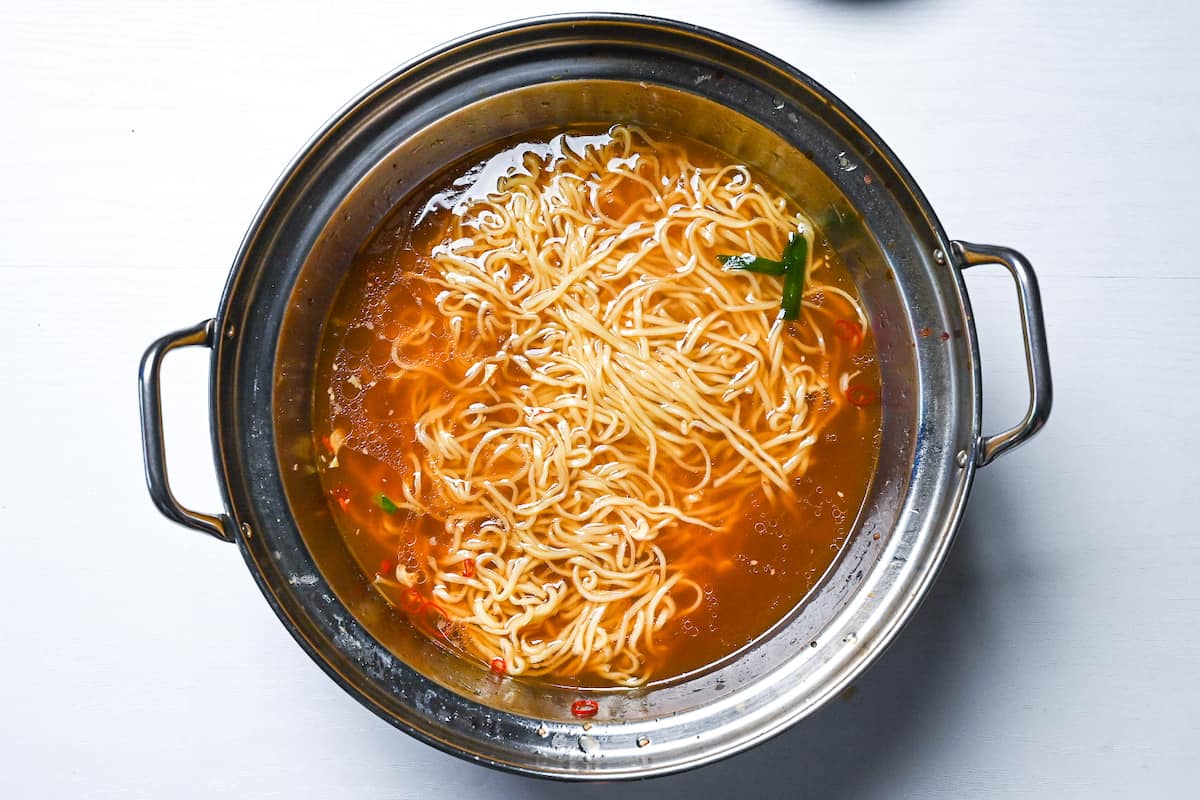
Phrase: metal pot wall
{"type": "Point", "coordinates": [551, 72]}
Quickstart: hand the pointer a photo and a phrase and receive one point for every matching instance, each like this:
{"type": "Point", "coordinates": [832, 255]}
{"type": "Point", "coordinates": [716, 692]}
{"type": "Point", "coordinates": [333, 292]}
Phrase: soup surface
{"type": "Point", "coordinates": [570, 438]}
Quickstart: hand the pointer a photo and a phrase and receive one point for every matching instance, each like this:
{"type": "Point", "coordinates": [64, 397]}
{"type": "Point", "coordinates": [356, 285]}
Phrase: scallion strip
{"type": "Point", "coordinates": [793, 266]}
{"type": "Point", "coordinates": [795, 260]}
{"type": "Point", "coordinates": [749, 263]}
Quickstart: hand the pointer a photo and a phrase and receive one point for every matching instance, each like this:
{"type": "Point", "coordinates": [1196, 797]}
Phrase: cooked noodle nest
{"type": "Point", "coordinates": [604, 387]}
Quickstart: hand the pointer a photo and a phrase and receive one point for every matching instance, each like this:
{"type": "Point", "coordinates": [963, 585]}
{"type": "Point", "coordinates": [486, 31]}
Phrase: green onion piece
{"type": "Point", "coordinates": [795, 260]}
{"type": "Point", "coordinates": [385, 502]}
{"type": "Point", "coordinates": [795, 252]}
{"type": "Point", "coordinates": [793, 267]}
{"type": "Point", "coordinates": [749, 263]}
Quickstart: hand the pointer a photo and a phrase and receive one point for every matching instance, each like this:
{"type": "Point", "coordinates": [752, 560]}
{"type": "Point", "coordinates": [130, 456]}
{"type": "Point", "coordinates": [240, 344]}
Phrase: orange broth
{"type": "Point", "coordinates": [760, 564]}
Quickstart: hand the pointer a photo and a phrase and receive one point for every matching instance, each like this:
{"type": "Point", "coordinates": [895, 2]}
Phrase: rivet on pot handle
{"type": "Point", "coordinates": [1037, 356]}
{"type": "Point", "coordinates": [153, 448]}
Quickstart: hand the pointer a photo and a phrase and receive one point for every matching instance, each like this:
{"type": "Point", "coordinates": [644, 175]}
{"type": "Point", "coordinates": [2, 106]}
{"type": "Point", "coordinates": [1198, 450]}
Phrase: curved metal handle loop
{"type": "Point", "coordinates": [1037, 356]}
{"type": "Point", "coordinates": [153, 448]}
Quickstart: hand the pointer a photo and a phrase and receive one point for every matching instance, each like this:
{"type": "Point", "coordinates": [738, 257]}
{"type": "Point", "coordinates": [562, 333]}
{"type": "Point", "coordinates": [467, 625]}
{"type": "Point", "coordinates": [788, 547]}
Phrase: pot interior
{"type": "Point", "coordinates": [466, 130]}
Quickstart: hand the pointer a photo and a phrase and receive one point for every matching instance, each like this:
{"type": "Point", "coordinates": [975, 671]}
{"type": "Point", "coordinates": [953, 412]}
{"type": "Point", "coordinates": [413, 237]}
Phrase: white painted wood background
{"type": "Point", "coordinates": [1057, 655]}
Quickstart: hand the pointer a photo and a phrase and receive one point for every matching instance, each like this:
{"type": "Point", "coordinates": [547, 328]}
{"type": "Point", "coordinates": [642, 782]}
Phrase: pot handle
{"type": "Point", "coordinates": [1037, 356]}
{"type": "Point", "coordinates": [153, 448]}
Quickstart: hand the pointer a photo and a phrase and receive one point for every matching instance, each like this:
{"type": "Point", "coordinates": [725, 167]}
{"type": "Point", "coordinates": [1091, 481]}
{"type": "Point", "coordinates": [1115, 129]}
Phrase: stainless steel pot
{"type": "Point", "coordinates": [532, 75]}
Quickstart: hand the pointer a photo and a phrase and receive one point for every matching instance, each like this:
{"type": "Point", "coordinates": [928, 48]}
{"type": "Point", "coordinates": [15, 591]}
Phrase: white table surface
{"type": "Point", "coordinates": [1057, 655]}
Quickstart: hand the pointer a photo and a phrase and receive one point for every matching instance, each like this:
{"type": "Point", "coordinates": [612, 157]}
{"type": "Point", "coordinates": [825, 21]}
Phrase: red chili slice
{"type": "Point", "coordinates": [342, 495]}
{"type": "Point", "coordinates": [411, 602]}
{"type": "Point", "coordinates": [498, 666]}
{"type": "Point", "coordinates": [436, 619]}
{"type": "Point", "coordinates": [468, 568]}
{"type": "Point", "coordinates": [848, 331]}
{"type": "Point", "coordinates": [585, 708]}
{"type": "Point", "coordinates": [861, 396]}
